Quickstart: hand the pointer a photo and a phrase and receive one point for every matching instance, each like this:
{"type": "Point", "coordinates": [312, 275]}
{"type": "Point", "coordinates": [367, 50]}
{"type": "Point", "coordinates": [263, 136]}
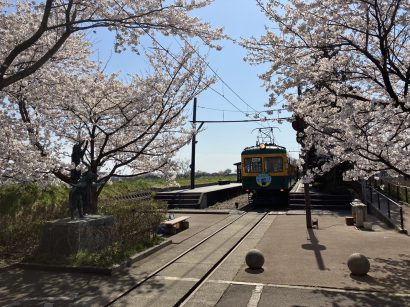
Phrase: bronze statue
{"type": "Point", "coordinates": [78, 153]}
{"type": "Point", "coordinates": [76, 200]}
{"type": "Point", "coordinates": [82, 183]}
{"type": "Point", "coordinates": [80, 194]}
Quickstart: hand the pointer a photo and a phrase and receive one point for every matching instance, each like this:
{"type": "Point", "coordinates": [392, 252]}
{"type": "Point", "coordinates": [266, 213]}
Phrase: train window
{"type": "Point", "coordinates": [274, 165]}
{"type": "Point", "coordinates": [253, 165]}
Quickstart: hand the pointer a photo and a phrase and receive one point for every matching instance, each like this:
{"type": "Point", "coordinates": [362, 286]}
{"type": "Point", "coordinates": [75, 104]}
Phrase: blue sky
{"type": "Point", "coordinates": [220, 145]}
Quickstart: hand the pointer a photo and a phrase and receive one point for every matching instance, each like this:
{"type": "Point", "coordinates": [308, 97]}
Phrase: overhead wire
{"type": "Point", "coordinates": [222, 80]}
{"type": "Point", "coordinates": [228, 86]}
{"type": "Point", "coordinates": [217, 75]}
{"type": "Point", "coordinates": [187, 69]}
{"type": "Point", "coordinates": [193, 74]}
{"type": "Point", "coordinates": [241, 111]}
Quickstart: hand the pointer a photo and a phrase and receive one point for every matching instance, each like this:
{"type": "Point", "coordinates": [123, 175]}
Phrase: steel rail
{"type": "Point", "coordinates": [182, 301]}
{"type": "Point", "coordinates": [163, 267]}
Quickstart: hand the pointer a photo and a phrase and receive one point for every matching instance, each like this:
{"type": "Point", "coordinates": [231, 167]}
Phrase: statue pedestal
{"type": "Point", "coordinates": [66, 236]}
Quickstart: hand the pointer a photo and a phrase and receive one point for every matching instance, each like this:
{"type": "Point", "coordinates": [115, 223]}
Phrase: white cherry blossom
{"type": "Point", "coordinates": [350, 61]}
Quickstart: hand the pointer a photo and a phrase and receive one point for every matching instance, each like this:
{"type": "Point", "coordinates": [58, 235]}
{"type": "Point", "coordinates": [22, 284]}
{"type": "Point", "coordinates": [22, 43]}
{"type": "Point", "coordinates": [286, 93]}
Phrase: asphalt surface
{"type": "Point", "coordinates": [302, 268]}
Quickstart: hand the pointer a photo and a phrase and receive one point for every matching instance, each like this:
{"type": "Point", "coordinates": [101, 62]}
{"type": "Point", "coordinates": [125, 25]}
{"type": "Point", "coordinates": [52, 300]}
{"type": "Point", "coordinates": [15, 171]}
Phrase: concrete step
{"type": "Point", "coordinates": [320, 201]}
{"type": "Point", "coordinates": [178, 195]}
{"type": "Point", "coordinates": [183, 206]}
{"type": "Point", "coordinates": [180, 200]}
{"type": "Point", "coordinates": [319, 196]}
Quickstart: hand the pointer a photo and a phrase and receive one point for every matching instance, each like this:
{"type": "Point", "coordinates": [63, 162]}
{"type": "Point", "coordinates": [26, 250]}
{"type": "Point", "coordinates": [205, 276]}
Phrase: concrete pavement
{"type": "Point", "coordinates": [302, 268]}
{"type": "Point", "coordinates": [309, 268]}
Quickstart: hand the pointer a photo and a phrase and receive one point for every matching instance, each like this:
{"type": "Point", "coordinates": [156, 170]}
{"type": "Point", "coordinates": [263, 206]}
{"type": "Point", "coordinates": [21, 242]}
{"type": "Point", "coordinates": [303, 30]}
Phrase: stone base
{"type": "Point", "coordinates": [349, 220]}
{"type": "Point", "coordinates": [66, 237]}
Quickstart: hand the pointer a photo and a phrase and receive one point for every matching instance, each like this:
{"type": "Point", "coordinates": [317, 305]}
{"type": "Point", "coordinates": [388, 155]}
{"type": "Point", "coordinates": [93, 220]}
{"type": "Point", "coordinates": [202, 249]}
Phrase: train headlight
{"type": "Point", "coordinates": [262, 146]}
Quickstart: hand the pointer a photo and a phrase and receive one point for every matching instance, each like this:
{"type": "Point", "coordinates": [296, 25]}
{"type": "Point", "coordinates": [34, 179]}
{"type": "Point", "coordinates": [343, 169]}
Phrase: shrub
{"type": "Point", "coordinates": [135, 221]}
{"type": "Point", "coordinates": [24, 209]}
{"type": "Point", "coordinates": [21, 228]}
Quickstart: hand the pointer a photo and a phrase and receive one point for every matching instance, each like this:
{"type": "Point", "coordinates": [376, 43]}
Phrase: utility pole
{"type": "Point", "coordinates": [193, 147]}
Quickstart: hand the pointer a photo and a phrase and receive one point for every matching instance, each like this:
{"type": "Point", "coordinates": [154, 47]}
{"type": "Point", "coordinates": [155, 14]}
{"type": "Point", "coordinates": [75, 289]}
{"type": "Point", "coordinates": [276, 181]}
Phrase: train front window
{"type": "Point", "coordinates": [253, 165]}
{"type": "Point", "coordinates": [274, 165]}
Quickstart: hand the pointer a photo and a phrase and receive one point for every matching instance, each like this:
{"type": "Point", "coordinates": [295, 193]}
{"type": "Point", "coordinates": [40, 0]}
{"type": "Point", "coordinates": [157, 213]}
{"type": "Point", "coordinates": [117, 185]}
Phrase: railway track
{"type": "Point", "coordinates": [198, 263]}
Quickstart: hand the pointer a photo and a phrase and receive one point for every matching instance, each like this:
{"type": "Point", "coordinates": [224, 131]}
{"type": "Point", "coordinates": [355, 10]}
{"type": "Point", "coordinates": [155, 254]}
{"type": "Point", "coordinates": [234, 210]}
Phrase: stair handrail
{"type": "Point", "coordinates": [389, 200]}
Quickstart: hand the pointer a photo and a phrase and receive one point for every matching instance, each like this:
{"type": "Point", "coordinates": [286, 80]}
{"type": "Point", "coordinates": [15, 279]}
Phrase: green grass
{"type": "Point", "coordinates": [135, 230]}
{"type": "Point", "coordinates": [25, 208]}
{"type": "Point", "coordinates": [206, 179]}
{"type": "Point", "coordinates": [119, 188]}
{"type": "Point", "coordinates": [13, 198]}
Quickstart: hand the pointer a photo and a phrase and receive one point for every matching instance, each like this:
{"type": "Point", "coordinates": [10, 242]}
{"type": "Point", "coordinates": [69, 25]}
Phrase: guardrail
{"type": "Point", "coordinates": [385, 205]}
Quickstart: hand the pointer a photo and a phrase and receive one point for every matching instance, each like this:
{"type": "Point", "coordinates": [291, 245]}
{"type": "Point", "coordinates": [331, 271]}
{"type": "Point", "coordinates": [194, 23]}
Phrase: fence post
{"type": "Point", "coordinates": [388, 207]}
{"type": "Point", "coordinates": [363, 184]}
{"type": "Point", "coordinates": [401, 217]}
{"type": "Point", "coordinates": [371, 195]}
{"type": "Point", "coordinates": [378, 200]}
{"type": "Point", "coordinates": [389, 188]}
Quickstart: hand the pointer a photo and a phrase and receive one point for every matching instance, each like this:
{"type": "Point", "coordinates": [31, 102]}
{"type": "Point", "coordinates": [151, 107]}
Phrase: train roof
{"type": "Point", "coordinates": [264, 149]}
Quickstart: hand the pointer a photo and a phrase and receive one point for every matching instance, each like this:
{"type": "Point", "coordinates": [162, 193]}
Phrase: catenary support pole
{"type": "Point", "coordinates": [193, 147]}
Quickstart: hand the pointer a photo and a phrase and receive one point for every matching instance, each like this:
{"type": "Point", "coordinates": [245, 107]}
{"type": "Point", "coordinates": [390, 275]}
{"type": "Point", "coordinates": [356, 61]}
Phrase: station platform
{"type": "Point", "coordinates": [308, 267]}
{"type": "Point", "coordinates": [201, 197]}
{"type": "Point", "coordinates": [302, 268]}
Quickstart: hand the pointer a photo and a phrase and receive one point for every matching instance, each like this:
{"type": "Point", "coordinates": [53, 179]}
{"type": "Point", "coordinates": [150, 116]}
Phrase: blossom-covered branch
{"type": "Point", "coordinates": [350, 60]}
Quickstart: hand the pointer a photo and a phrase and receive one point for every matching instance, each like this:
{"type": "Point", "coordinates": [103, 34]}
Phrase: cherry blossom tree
{"type": "Point", "coordinates": [350, 61]}
{"type": "Point", "coordinates": [34, 32]}
{"type": "Point", "coordinates": [53, 96]}
{"type": "Point", "coordinates": [130, 129]}
{"type": "Point", "coordinates": [25, 154]}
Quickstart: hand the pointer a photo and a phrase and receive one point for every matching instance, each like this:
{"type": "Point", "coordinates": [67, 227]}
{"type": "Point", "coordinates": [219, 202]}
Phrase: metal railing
{"type": "Point", "coordinates": [400, 192]}
{"type": "Point", "coordinates": [385, 205]}
{"type": "Point", "coordinates": [136, 196]}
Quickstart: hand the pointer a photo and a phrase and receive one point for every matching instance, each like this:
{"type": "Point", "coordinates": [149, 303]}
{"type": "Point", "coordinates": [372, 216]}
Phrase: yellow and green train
{"type": "Point", "coordinates": [266, 169]}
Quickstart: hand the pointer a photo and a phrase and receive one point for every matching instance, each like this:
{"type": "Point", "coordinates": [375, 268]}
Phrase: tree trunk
{"type": "Point", "coordinates": [307, 205]}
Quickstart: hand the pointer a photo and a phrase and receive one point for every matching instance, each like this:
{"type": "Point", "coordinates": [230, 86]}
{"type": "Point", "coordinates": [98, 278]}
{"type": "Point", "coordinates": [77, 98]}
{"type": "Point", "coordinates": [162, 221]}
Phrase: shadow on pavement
{"type": "Point", "coordinates": [257, 271]}
{"type": "Point", "coordinates": [316, 248]}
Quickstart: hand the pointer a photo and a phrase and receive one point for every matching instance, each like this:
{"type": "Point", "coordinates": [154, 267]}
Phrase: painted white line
{"type": "Point", "coordinates": [229, 253]}
{"type": "Point", "coordinates": [46, 298]}
{"type": "Point", "coordinates": [176, 278]}
{"type": "Point", "coordinates": [256, 296]}
{"type": "Point", "coordinates": [327, 289]}
{"type": "Point", "coordinates": [44, 301]}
